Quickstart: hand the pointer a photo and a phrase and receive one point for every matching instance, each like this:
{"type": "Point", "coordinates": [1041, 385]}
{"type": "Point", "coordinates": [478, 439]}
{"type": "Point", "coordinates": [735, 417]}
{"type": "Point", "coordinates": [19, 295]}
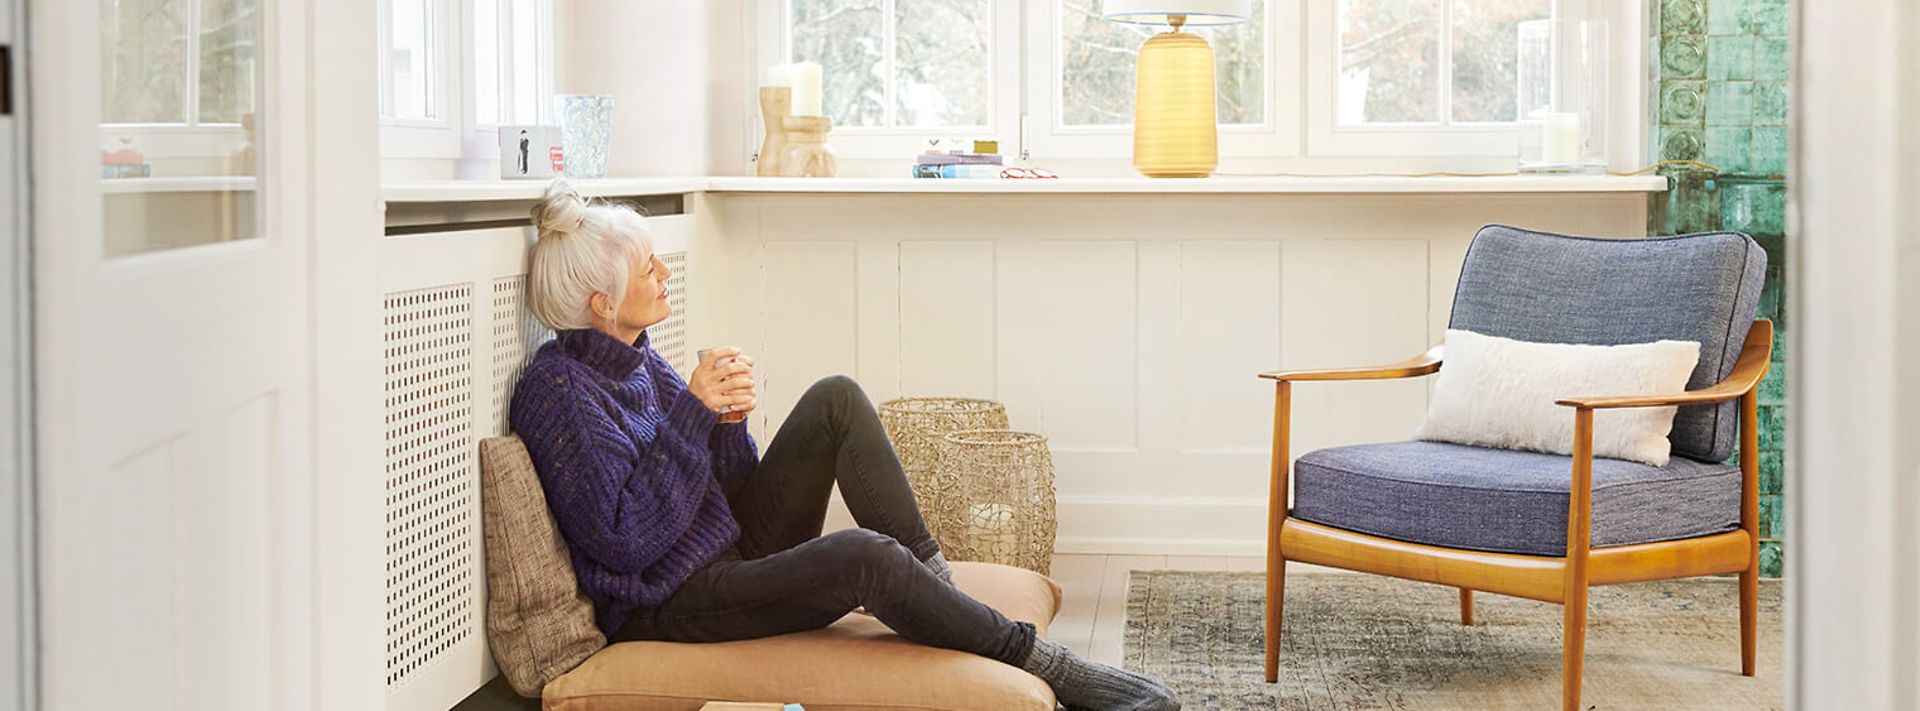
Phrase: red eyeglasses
{"type": "Point", "coordinates": [1019, 172]}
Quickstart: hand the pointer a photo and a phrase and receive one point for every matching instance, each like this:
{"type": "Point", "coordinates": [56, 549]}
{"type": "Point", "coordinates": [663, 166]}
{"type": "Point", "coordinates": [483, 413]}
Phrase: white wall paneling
{"type": "Point", "coordinates": [1129, 330]}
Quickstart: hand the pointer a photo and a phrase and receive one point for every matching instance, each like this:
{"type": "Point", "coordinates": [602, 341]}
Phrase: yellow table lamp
{"type": "Point", "coordinates": [1175, 131]}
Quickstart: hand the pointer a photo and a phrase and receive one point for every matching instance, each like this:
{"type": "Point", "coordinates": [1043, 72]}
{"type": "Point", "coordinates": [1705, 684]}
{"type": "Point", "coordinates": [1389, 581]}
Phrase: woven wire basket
{"type": "Point", "coordinates": [915, 425]}
{"type": "Point", "coordinates": [999, 498]}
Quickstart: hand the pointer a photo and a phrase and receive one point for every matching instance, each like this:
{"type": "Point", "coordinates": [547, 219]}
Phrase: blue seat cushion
{"type": "Point", "coordinates": [1459, 496]}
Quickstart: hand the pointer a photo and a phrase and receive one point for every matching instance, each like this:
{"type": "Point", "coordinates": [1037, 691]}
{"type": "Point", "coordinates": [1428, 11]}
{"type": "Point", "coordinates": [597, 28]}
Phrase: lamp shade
{"type": "Point", "coordinates": [1198, 12]}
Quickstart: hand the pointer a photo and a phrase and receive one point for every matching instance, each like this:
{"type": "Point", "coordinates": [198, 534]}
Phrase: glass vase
{"type": "Point", "coordinates": [586, 133]}
{"type": "Point", "coordinates": [1562, 97]}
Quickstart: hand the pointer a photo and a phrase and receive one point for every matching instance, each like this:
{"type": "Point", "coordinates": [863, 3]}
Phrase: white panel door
{"type": "Point", "coordinates": [172, 320]}
{"type": "Point", "coordinates": [16, 509]}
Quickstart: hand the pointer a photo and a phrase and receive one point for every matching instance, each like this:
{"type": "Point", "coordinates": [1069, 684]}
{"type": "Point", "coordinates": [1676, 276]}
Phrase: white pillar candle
{"type": "Point", "coordinates": [779, 75]}
{"type": "Point", "coordinates": [806, 89]}
{"type": "Point", "coordinates": [1560, 140]}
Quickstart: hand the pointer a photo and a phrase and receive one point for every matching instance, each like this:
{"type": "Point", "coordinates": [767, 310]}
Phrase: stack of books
{"type": "Point", "coordinates": [981, 159]}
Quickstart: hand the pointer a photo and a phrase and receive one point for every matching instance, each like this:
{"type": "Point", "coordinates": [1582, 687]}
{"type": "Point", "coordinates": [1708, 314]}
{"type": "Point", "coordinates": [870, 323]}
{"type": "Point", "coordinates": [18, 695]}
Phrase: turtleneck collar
{"type": "Point", "coordinates": [602, 352]}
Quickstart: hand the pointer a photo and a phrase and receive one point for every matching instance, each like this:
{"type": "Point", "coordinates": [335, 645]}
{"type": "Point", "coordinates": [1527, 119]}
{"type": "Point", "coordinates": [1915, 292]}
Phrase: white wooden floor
{"type": "Point", "coordinates": [1093, 611]}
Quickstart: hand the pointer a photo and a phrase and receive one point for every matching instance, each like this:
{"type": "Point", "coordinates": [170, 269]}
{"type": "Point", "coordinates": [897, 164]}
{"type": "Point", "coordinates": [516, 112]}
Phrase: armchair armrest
{"type": "Point", "coordinates": [1423, 364]}
{"type": "Point", "coordinates": [1755, 354]}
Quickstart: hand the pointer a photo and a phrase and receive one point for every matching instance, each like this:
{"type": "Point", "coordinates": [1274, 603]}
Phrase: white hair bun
{"type": "Point", "coordinates": [560, 211]}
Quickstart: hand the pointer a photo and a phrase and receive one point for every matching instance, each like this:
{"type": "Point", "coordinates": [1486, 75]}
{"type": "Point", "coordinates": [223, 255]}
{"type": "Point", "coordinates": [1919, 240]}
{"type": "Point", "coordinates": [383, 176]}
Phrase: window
{"type": "Point", "coordinates": [177, 62]}
{"type": "Point", "coordinates": [898, 63]}
{"type": "Point", "coordinates": [1405, 78]}
{"type": "Point", "coordinates": [1325, 84]}
{"type": "Point", "coordinates": [1429, 61]}
{"type": "Point", "coordinates": [410, 67]}
{"type": "Point", "coordinates": [1097, 57]}
{"type": "Point", "coordinates": [434, 106]}
{"type": "Point", "coordinates": [512, 61]}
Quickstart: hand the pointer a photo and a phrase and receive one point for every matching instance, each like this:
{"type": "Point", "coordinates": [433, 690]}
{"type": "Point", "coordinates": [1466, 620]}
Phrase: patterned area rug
{"type": "Point", "coordinates": [1356, 642]}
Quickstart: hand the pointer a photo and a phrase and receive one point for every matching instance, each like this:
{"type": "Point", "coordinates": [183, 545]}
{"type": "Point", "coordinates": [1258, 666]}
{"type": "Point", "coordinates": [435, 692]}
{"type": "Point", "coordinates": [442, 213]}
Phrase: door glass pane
{"type": "Point", "coordinates": [143, 61]}
{"type": "Point", "coordinates": [1096, 71]}
{"type": "Point", "coordinates": [846, 37]}
{"type": "Point", "coordinates": [1389, 61]}
{"type": "Point", "coordinates": [940, 61]}
{"type": "Point", "coordinates": [1483, 55]}
{"type": "Point", "coordinates": [191, 182]}
{"type": "Point", "coordinates": [228, 31]}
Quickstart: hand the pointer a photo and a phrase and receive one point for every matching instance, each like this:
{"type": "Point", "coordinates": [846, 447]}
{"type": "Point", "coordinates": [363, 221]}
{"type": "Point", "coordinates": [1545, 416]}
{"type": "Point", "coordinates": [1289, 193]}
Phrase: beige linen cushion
{"type": "Point", "coordinates": [855, 664]}
{"type": "Point", "coordinates": [539, 624]}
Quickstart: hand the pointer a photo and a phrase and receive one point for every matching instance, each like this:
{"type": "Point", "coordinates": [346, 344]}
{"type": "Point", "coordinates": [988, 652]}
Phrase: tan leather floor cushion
{"type": "Point", "coordinates": [855, 664]}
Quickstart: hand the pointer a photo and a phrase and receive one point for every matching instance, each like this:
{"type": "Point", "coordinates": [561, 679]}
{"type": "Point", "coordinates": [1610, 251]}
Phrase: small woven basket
{"type": "Point", "coordinates": [915, 425]}
{"type": "Point", "coordinates": [999, 492]}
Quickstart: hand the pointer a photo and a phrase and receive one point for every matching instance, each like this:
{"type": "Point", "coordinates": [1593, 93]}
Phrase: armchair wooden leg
{"type": "Point", "coordinates": [1749, 617]}
{"type": "Point", "coordinates": [1466, 607]}
{"type": "Point", "coordinates": [1277, 519]}
{"type": "Point", "coordinates": [1750, 521]}
{"type": "Point", "coordinates": [1276, 606]}
{"type": "Point", "coordinates": [1579, 540]}
{"type": "Point", "coordinates": [1574, 655]}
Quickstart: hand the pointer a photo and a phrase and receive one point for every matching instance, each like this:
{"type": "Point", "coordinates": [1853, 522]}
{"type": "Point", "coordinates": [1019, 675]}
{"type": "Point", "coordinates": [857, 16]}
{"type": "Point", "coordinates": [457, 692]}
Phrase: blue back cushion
{"type": "Point", "coordinates": [1548, 288]}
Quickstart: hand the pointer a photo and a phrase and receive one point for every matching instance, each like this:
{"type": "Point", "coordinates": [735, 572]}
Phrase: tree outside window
{"type": "Point", "coordinates": [897, 63]}
{"type": "Point", "coordinates": [1097, 61]}
{"type": "Point", "coordinates": [1392, 70]}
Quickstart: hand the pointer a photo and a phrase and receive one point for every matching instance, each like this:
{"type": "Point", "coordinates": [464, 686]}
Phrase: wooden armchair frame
{"type": "Point", "coordinates": [1562, 580]}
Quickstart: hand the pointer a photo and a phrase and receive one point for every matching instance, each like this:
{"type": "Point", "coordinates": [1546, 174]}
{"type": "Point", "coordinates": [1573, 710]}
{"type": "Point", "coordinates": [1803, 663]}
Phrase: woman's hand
{"type": "Point", "coordinates": [742, 384]}
{"type": "Point", "coordinates": [724, 388]}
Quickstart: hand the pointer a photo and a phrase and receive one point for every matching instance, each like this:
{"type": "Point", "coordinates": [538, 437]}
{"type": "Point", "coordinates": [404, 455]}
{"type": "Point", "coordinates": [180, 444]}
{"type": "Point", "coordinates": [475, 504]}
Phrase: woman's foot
{"type": "Point", "coordinates": [1081, 683]}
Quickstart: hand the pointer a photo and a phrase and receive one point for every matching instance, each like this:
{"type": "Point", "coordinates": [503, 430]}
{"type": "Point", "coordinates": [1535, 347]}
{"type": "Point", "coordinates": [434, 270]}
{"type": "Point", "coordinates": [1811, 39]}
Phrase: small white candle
{"type": "Point", "coordinates": [806, 89]}
{"type": "Point", "coordinates": [780, 75]}
{"type": "Point", "coordinates": [1560, 140]}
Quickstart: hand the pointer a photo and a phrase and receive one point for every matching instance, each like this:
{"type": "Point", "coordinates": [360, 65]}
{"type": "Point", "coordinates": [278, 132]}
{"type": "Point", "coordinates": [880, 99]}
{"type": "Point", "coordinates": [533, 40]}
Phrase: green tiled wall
{"type": "Point", "coordinates": [1722, 100]}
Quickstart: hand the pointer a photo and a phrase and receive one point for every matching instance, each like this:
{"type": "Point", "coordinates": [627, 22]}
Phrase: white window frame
{"type": "Point", "coordinates": [190, 138]}
{"type": "Point", "coordinates": [1301, 79]}
{"type": "Point", "coordinates": [437, 137]}
{"type": "Point", "coordinates": [1003, 89]}
{"type": "Point", "coordinates": [544, 41]}
{"type": "Point", "coordinates": [1047, 137]}
{"type": "Point", "coordinates": [1326, 136]}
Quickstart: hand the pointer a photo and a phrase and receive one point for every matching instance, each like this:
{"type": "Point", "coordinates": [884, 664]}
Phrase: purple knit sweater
{"type": "Point", "coordinates": [637, 470]}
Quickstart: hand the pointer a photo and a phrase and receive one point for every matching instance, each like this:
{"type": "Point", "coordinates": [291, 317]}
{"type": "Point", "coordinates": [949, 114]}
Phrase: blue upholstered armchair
{"type": "Point", "coordinates": [1544, 526]}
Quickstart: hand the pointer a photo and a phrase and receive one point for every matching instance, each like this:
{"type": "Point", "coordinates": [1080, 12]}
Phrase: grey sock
{"type": "Point", "coordinates": [938, 564]}
{"type": "Point", "coordinates": [1081, 683]}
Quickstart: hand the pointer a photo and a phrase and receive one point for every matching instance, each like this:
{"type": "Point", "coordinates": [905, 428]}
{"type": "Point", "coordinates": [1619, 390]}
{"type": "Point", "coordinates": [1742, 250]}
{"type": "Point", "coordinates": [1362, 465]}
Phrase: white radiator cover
{"type": "Point", "coordinates": [457, 335]}
{"type": "Point", "coordinates": [429, 463]}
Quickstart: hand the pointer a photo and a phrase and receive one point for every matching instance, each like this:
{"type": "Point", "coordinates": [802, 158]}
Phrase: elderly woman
{"type": "Point", "coordinates": [680, 531]}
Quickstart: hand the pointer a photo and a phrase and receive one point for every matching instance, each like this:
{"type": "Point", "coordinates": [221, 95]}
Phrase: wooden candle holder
{"type": "Point", "coordinates": [776, 103]}
{"type": "Point", "coordinates": [807, 154]}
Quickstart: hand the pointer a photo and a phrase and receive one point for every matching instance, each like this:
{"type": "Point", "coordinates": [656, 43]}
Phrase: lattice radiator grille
{"type": "Point", "coordinates": [669, 337]}
{"type": "Point", "coordinates": [516, 335]}
{"type": "Point", "coordinates": [431, 507]}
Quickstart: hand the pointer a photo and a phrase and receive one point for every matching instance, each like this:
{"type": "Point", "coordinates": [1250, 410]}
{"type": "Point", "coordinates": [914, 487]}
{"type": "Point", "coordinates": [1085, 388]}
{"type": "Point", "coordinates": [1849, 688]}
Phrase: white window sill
{"type": "Point", "coordinates": [478, 190]}
{"type": "Point", "coordinates": [1356, 184]}
{"type": "Point", "coordinates": [202, 184]}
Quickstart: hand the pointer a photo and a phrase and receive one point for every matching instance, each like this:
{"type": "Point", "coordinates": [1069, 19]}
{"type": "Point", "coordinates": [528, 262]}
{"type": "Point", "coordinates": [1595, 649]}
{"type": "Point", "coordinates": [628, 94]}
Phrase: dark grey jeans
{"type": "Point", "coordinates": [783, 576]}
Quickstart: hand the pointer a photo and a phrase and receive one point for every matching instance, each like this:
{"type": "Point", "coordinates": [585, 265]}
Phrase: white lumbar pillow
{"type": "Point", "coordinates": [1499, 392]}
